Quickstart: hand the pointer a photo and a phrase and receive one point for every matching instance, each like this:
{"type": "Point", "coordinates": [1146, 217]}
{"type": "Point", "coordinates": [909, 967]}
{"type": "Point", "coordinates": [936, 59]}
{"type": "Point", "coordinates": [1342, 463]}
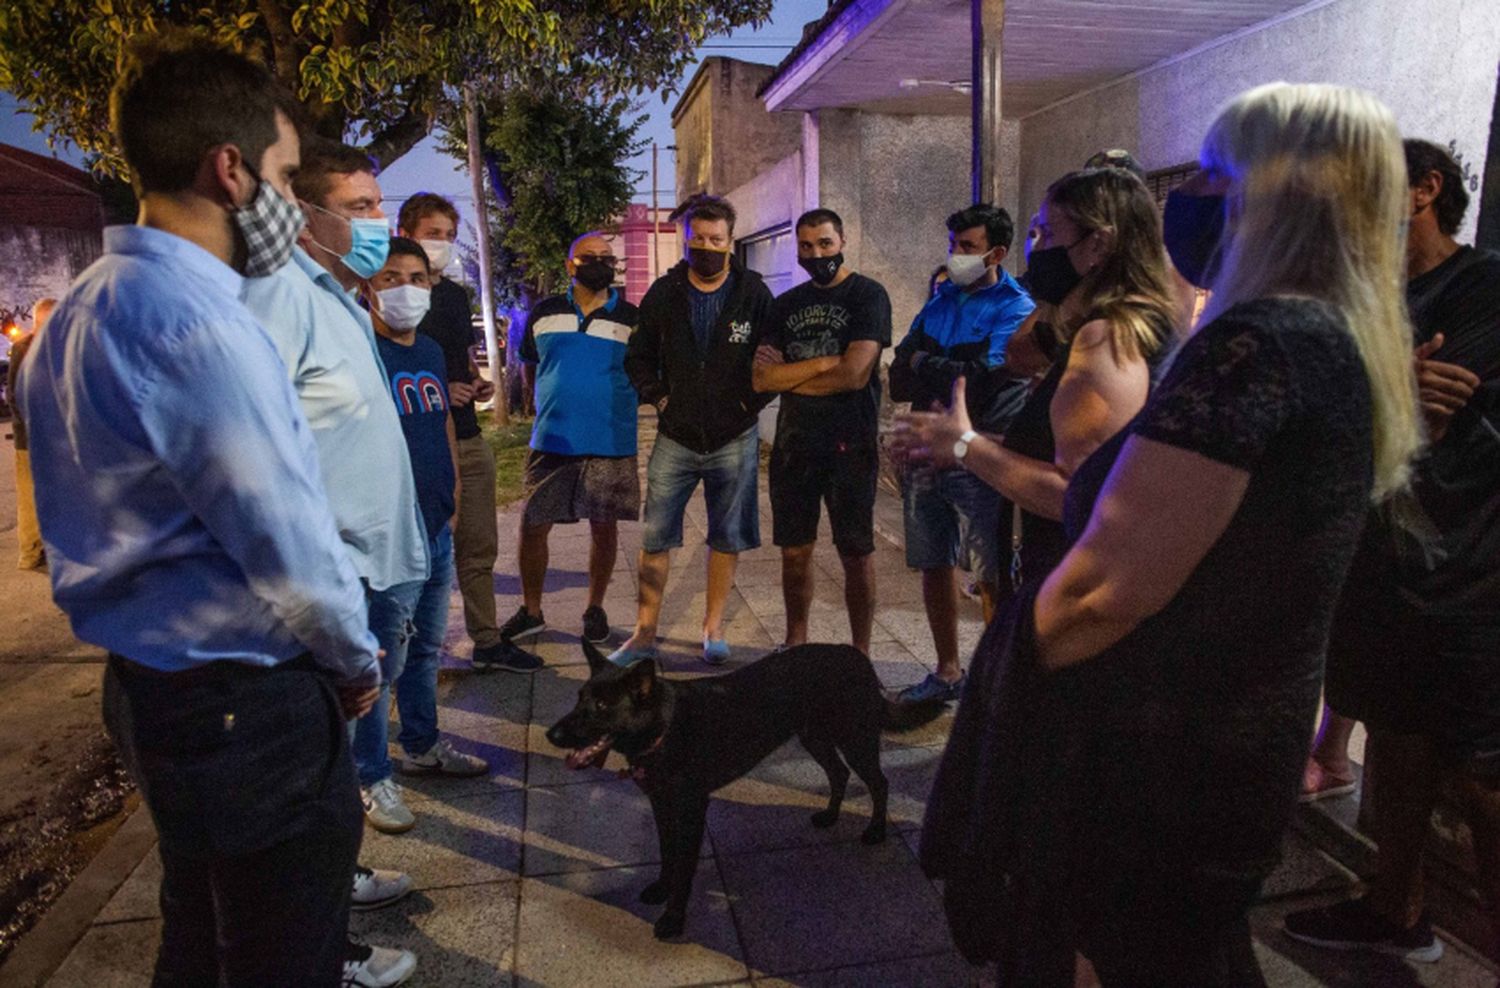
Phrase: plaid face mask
{"type": "Point", "coordinates": [270, 225]}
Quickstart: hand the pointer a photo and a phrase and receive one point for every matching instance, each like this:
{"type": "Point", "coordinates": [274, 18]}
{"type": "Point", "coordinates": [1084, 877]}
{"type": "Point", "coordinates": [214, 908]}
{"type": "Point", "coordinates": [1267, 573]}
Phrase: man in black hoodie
{"type": "Point", "coordinates": [691, 358]}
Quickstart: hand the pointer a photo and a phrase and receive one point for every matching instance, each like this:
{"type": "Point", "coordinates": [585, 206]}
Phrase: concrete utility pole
{"type": "Point", "coordinates": [655, 215]}
{"type": "Point", "coordinates": [655, 250]}
{"type": "Point", "coordinates": [501, 411]}
{"type": "Point", "coordinates": [987, 21]}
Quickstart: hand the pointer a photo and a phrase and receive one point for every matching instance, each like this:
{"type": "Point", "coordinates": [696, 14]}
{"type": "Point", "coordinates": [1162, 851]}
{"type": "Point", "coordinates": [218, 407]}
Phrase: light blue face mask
{"type": "Point", "coordinates": [370, 243]}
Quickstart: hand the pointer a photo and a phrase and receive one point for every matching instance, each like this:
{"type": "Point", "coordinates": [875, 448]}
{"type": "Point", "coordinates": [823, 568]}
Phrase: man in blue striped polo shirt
{"type": "Point", "coordinates": [583, 445]}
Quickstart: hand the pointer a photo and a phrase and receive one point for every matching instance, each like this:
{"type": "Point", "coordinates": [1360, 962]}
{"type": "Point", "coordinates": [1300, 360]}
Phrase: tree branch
{"type": "Point", "coordinates": [285, 53]}
{"type": "Point", "coordinates": [393, 141]}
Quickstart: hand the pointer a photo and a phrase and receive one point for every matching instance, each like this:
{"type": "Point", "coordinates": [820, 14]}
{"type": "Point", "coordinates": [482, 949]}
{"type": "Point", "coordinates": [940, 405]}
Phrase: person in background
{"type": "Point", "coordinates": [820, 354]}
{"type": "Point", "coordinates": [432, 221]}
{"type": "Point", "coordinates": [399, 295]}
{"type": "Point", "coordinates": [951, 517]}
{"type": "Point", "coordinates": [195, 542]}
{"type": "Point", "coordinates": [1415, 646]}
{"type": "Point", "coordinates": [582, 463]}
{"type": "Point", "coordinates": [691, 359]}
{"type": "Point", "coordinates": [32, 554]}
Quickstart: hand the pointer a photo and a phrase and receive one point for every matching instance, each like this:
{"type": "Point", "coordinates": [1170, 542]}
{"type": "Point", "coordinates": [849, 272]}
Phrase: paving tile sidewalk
{"type": "Point", "coordinates": [528, 876]}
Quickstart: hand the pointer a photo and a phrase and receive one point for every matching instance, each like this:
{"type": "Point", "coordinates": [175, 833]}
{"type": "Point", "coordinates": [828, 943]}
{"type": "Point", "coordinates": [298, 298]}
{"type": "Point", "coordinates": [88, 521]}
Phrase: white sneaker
{"type": "Point", "coordinates": [384, 809]}
{"type": "Point", "coordinates": [441, 759]}
{"type": "Point", "coordinates": [375, 889]}
{"type": "Point", "coordinates": [376, 967]}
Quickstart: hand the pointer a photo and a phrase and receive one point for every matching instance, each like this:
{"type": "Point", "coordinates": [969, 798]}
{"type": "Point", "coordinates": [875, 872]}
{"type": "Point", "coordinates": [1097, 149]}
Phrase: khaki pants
{"type": "Point", "coordinates": [476, 540]}
{"type": "Point", "coordinates": [28, 535]}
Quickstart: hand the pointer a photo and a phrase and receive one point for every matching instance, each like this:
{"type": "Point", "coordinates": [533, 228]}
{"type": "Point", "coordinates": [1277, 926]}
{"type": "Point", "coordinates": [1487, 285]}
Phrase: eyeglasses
{"type": "Point", "coordinates": [608, 259]}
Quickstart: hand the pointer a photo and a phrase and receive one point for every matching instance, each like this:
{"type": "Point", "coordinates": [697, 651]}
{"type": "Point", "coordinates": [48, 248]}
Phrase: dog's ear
{"type": "Point", "coordinates": [643, 680]}
{"type": "Point", "coordinates": [597, 662]}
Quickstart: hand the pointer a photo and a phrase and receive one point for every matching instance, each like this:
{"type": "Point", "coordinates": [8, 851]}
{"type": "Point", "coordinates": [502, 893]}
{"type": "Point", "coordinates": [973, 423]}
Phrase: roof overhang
{"type": "Point", "coordinates": [866, 53]}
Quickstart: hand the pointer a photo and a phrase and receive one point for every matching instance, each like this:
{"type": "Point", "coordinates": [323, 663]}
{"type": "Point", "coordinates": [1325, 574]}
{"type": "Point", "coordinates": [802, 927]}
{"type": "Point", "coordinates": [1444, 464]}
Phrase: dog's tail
{"type": "Point", "coordinates": [901, 717]}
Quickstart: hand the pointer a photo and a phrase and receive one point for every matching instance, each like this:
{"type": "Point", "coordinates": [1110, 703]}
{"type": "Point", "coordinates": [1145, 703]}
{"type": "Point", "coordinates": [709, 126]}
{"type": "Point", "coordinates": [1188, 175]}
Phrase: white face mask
{"type": "Point", "coordinates": [404, 306]}
{"type": "Point", "coordinates": [965, 269]}
{"type": "Point", "coordinates": [439, 253]}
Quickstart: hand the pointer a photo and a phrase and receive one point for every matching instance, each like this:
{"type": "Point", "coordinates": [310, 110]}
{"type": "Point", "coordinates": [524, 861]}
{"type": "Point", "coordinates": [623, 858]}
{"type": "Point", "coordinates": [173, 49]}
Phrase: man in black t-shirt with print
{"type": "Point", "coordinates": [825, 343]}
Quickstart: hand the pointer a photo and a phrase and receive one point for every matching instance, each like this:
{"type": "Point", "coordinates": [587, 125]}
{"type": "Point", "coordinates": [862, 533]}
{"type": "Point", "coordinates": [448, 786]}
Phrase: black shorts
{"type": "Point", "coordinates": [1402, 671]}
{"type": "Point", "coordinates": [843, 478]}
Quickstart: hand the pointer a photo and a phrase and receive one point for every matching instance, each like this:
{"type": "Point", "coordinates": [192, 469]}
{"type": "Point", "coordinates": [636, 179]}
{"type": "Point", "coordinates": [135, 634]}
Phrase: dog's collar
{"type": "Point", "coordinates": [637, 768]}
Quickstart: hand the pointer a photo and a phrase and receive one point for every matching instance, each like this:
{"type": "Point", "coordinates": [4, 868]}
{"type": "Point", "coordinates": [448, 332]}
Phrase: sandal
{"type": "Point", "coordinates": [1319, 783]}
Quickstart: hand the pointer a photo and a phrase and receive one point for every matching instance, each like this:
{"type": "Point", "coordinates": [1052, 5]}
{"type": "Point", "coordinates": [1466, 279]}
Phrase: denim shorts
{"type": "Point", "coordinates": [952, 518]}
{"type": "Point", "coordinates": [729, 476]}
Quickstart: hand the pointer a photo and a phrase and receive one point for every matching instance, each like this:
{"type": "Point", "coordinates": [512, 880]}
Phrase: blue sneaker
{"type": "Point", "coordinates": [630, 655]}
{"type": "Point", "coordinates": [933, 689]}
{"type": "Point", "coordinates": [715, 651]}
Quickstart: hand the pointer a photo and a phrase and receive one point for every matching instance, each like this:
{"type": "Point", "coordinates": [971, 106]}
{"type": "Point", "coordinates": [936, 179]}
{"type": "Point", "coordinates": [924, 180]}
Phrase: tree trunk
{"type": "Point", "coordinates": [482, 224]}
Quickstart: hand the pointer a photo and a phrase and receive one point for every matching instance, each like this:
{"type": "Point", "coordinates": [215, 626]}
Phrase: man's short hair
{"type": "Point", "coordinates": [405, 245]}
{"type": "Point", "coordinates": [1425, 157]}
{"type": "Point", "coordinates": [1116, 158]}
{"type": "Point", "coordinates": [422, 205]}
{"type": "Point", "coordinates": [322, 159]}
{"type": "Point", "coordinates": [817, 217]}
{"type": "Point", "coordinates": [998, 227]}
{"type": "Point", "coordinates": [179, 95]}
{"type": "Point", "coordinates": [704, 207]}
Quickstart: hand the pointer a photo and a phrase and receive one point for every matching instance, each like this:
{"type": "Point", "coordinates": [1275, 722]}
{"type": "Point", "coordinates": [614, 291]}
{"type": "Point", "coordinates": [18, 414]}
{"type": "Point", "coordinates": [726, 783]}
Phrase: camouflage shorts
{"type": "Point", "coordinates": [563, 489]}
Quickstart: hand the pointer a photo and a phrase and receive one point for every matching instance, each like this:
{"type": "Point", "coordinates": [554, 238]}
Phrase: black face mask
{"type": "Point", "coordinates": [822, 270]}
{"type": "Point", "coordinates": [595, 275]}
{"type": "Point", "coordinates": [1051, 273]}
{"type": "Point", "coordinates": [1193, 229]}
{"type": "Point", "coordinates": [706, 262]}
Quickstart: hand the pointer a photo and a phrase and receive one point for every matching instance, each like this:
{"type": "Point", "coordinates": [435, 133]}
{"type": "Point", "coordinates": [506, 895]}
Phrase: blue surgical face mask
{"type": "Point", "coordinates": [370, 242]}
{"type": "Point", "coordinates": [1193, 229]}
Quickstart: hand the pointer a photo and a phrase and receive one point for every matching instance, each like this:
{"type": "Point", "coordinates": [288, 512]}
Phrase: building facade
{"type": "Point", "coordinates": [881, 98]}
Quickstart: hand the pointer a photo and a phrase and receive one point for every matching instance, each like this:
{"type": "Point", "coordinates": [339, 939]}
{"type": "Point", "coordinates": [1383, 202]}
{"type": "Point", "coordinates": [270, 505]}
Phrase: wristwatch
{"type": "Point", "coordinates": [961, 447]}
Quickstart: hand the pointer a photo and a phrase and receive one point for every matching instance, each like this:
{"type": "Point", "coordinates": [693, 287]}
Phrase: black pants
{"type": "Point", "coordinates": [248, 776]}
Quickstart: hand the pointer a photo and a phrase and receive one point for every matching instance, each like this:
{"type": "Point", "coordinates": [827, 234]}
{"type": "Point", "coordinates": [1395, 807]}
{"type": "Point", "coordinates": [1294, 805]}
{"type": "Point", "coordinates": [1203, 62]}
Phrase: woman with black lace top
{"type": "Point", "coordinates": [1148, 733]}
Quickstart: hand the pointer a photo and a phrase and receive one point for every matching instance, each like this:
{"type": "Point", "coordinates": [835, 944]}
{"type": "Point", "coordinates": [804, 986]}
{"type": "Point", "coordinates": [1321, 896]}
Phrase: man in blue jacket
{"type": "Point", "coordinates": [951, 517]}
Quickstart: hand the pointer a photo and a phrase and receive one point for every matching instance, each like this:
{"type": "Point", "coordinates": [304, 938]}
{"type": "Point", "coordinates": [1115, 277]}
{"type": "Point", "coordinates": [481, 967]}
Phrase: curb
{"type": "Point", "coordinates": [42, 950]}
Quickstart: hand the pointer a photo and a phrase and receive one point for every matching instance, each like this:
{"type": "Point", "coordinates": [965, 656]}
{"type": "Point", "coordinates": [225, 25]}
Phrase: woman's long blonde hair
{"type": "Point", "coordinates": [1318, 208]}
{"type": "Point", "coordinates": [1130, 290]}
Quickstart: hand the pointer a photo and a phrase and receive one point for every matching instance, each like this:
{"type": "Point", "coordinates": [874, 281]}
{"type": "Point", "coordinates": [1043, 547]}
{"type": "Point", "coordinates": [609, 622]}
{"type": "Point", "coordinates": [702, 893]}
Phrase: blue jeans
{"type": "Point", "coordinates": [952, 518]}
{"type": "Point", "coordinates": [728, 474]}
{"type": "Point", "coordinates": [410, 621]}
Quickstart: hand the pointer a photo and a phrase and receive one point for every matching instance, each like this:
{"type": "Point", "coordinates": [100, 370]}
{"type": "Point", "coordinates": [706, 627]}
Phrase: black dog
{"type": "Point", "coordinates": [686, 739]}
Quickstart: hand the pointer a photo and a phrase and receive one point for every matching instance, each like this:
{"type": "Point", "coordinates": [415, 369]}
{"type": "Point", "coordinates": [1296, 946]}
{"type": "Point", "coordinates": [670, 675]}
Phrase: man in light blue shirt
{"type": "Point", "coordinates": [188, 532]}
{"type": "Point", "coordinates": [329, 348]}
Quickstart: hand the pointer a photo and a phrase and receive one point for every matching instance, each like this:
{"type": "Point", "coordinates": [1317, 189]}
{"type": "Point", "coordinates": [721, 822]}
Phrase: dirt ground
{"type": "Point", "coordinates": [62, 791]}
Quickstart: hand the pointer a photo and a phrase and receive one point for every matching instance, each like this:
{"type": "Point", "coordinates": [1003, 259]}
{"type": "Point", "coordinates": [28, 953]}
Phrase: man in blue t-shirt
{"type": "Point", "coordinates": [399, 296]}
{"type": "Point", "coordinates": [583, 445]}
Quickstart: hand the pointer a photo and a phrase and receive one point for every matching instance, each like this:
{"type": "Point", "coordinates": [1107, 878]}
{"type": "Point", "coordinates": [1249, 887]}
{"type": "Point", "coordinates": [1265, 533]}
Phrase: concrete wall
{"type": "Point", "coordinates": [1432, 61]}
{"type": "Point", "coordinates": [912, 173]}
{"type": "Point", "coordinates": [40, 262]}
{"type": "Point", "coordinates": [725, 136]}
{"type": "Point", "coordinates": [893, 179]}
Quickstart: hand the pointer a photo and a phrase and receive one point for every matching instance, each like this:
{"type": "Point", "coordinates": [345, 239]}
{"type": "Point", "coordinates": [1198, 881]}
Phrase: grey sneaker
{"type": "Point", "coordinates": [375, 889]}
{"type": "Point", "coordinates": [441, 759]}
{"type": "Point", "coordinates": [522, 625]}
{"type": "Point", "coordinates": [376, 967]}
{"type": "Point", "coordinates": [595, 626]}
{"type": "Point", "coordinates": [506, 657]}
{"type": "Point", "coordinates": [385, 810]}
